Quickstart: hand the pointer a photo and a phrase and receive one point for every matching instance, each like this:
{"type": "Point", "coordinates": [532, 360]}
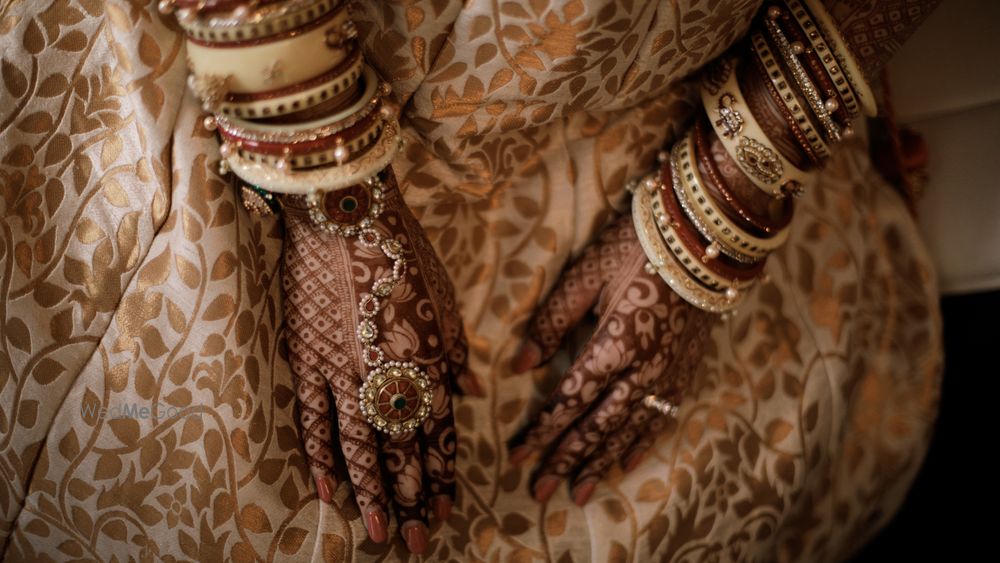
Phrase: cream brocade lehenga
{"type": "Point", "coordinates": [132, 276]}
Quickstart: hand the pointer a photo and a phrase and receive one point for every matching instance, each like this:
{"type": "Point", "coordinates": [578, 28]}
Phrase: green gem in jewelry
{"type": "Point", "coordinates": [398, 401]}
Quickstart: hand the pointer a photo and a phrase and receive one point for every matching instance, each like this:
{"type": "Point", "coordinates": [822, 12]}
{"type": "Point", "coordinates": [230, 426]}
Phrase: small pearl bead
{"type": "Point", "coordinates": [831, 105]}
{"type": "Point", "coordinates": [226, 150]}
{"type": "Point", "coordinates": [241, 12]}
{"type": "Point", "coordinates": [166, 6]}
{"type": "Point", "coordinates": [662, 156]}
{"type": "Point", "coordinates": [731, 293]}
{"type": "Point", "coordinates": [797, 48]}
{"type": "Point", "coordinates": [848, 132]}
{"type": "Point", "coordinates": [712, 251]}
{"type": "Point", "coordinates": [186, 15]}
{"type": "Point", "coordinates": [340, 154]}
{"type": "Point", "coordinates": [650, 183]}
{"type": "Point", "coordinates": [283, 165]}
{"type": "Point", "coordinates": [223, 167]}
{"type": "Point", "coordinates": [774, 12]}
{"type": "Point", "coordinates": [209, 122]}
{"type": "Point", "coordinates": [650, 268]}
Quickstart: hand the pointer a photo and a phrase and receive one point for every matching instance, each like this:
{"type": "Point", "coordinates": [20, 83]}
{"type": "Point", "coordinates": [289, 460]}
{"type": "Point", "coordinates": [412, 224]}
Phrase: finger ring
{"type": "Point", "coordinates": [664, 406]}
{"type": "Point", "coordinates": [396, 397]}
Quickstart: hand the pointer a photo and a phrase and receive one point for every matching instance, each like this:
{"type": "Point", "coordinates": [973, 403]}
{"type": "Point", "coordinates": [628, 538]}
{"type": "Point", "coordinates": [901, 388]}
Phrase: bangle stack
{"type": "Point", "coordinates": [708, 245]}
{"type": "Point", "coordinates": [307, 126]}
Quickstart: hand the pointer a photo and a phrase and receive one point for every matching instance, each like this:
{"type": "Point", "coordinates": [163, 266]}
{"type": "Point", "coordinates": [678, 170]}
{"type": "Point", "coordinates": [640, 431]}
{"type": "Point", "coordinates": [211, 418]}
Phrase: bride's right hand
{"type": "Point", "coordinates": [325, 276]}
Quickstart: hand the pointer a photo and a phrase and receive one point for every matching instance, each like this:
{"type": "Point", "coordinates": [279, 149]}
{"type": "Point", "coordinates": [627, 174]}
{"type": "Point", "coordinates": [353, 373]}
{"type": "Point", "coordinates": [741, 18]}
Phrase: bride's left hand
{"type": "Point", "coordinates": [647, 341]}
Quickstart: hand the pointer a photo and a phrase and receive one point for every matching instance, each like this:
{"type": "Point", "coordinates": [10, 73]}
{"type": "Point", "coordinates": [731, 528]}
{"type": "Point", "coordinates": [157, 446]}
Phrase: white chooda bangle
{"type": "Point", "coordinates": [743, 137]}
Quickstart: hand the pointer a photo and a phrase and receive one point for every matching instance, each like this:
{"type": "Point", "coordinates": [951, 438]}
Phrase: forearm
{"type": "Point", "coordinates": [876, 29]}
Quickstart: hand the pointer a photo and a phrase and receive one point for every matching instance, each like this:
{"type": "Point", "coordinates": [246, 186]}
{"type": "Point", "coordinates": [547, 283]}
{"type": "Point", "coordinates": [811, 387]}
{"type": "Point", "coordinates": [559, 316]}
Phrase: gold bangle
{"type": "Point", "coordinates": [743, 137]}
{"type": "Point", "coordinates": [788, 97]}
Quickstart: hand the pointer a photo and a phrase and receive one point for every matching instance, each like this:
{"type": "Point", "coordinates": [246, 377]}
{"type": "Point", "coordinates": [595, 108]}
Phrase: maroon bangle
{"type": "Point", "coordinates": [719, 190]}
{"type": "Point", "coordinates": [306, 147]}
{"type": "Point", "coordinates": [696, 244]}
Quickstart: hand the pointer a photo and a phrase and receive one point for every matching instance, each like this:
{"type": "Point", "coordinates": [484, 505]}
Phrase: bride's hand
{"type": "Point", "coordinates": [647, 341]}
{"type": "Point", "coordinates": [325, 277]}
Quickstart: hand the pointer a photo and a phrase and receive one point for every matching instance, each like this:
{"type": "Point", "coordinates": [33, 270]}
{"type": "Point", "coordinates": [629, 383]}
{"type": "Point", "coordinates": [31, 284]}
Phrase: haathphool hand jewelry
{"type": "Point", "coordinates": [396, 396]}
{"type": "Point", "coordinates": [277, 60]}
{"type": "Point", "coordinates": [703, 240]}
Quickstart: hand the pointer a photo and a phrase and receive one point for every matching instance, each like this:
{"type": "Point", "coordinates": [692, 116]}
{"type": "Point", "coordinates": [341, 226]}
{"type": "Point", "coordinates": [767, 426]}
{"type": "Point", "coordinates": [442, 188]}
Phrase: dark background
{"type": "Point", "coordinates": [948, 514]}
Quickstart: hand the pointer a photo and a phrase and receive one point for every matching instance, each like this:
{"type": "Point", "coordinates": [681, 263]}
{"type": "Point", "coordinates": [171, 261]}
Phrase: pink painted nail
{"type": "Point", "coordinates": [526, 358]}
{"type": "Point", "coordinates": [376, 523]}
{"type": "Point", "coordinates": [520, 453]}
{"type": "Point", "coordinates": [582, 493]}
{"type": "Point", "coordinates": [415, 535]}
{"type": "Point", "coordinates": [442, 507]}
{"type": "Point", "coordinates": [324, 489]}
{"type": "Point", "coordinates": [545, 487]}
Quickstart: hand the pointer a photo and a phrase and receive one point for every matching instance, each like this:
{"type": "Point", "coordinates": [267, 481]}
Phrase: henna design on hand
{"type": "Point", "coordinates": [634, 351]}
{"type": "Point", "coordinates": [324, 276]}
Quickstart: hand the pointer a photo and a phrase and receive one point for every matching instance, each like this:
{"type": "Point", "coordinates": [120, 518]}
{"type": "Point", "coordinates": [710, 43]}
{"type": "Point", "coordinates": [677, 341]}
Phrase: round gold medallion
{"type": "Point", "coordinates": [396, 397]}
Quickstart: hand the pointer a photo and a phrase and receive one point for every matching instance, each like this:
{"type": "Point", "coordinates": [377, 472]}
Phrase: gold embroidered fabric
{"type": "Point", "coordinates": [131, 278]}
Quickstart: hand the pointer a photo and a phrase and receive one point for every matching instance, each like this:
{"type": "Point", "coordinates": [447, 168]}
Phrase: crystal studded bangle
{"type": "Point", "coordinates": [662, 262]}
{"type": "Point", "coordinates": [705, 213]}
{"type": "Point", "coordinates": [842, 53]}
{"type": "Point", "coordinates": [789, 55]}
{"type": "Point", "coordinates": [788, 98]}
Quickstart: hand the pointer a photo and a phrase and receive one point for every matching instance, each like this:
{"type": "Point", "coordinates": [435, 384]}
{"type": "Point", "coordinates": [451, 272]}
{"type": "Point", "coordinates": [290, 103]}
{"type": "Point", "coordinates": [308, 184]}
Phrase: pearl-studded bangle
{"type": "Point", "coordinates": [842, 53]}
{"type": "Point", "coordinates": [818, 147]}
{"type": "Point", "coordinates": [705, 213]}
{"type": "Point", "coordinates": [329, 177]}
{"type": "Point", "coordinates": [825, 56]}
{"type": "Point", "coordinates": [662, 262]}
{"type": "Point", "coordinates": [667, 213]}
{"type": "Point", "coordinates": [789, 54]}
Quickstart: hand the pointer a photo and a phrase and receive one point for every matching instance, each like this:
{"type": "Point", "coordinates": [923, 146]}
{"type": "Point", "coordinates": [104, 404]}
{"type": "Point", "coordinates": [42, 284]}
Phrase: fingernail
{"type": "Point", "coordinates": [633, 461]}
{"type": "Point", "coordinates": [442, 507]}
{"type": "Point", "coordinates": [526, 358]}
{"type": "Point", "coordinates": [582, 493]}
{"type": "Point", "coordinates": [520, 453]}
{"type": "Point", "coordinates": [324, 489]}
{"type": "Point", "coordinates": [545, 487]}
{"type": "Point", "coordinates": [415, 535]}
{"type": "Point", "coordinates": [376, 523]}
